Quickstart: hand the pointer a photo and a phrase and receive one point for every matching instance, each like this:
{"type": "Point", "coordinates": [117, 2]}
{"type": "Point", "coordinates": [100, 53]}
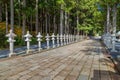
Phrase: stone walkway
{"type": "Point", "coordinates": [79, 61]}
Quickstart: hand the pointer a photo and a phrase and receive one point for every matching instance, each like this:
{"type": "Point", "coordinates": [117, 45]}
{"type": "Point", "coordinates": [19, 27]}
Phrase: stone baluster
{"type": "Point", "coordinates": [53, 40]}
{"type": "Point", "coordinates": [73, 38]}
{"type": "Point", "coordinates": [39, 36]}
{"type": "Point", "coordinates": [70, 38]}
{"type": "Point", "coordinates": [64, 37]}
{"type": "Point", "coordinates": [113, 43]}
{"type": "Point", "coordinates": [61, 40]}
{"type": "Point", "coordinates": [77, 37]}
{"type": "Point", "coordinates": [48, 41]}
{"type": "Point", "coordinates": [67, 39]}
{"type": "Point", "coordinates": [28, 39]}
{"type": "Point", "coordinates": [11, 41]}
{"type": "Point", "coordinates": [58, 43]}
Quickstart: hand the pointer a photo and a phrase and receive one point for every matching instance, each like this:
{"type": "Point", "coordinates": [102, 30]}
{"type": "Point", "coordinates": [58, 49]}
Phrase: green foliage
{"type": "Point", "coordinates": [19, 41]}
{"type": "Point", "coordinates": [3, 39]}
{"type": "Point", "coordinates": [90, 18]}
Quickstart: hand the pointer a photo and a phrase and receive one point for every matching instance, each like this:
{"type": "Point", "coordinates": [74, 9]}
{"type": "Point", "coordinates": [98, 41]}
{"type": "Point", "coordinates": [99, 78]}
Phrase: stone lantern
{"type": "Point", "coordinates": [61, 40]}
{"type": "Point", "coordinates": [39, 36]}
{"type": "Point", "coordinates": [28, 39]}
{"type": "Point", "coordinates": [11, 41]}
{"type": "Point", "coordinates": [58, 42]}
{"type": "Point", "coordinates": [53, 40]}
{"type": "Point", "coordinates": [64, 38]}
{"type": "Point", "coordinates": [67, 39]}
{"type": "Point", "coordinates": [113, 43]}
{"type": "Point", "coordinates": [118, 34]}
{"type": "Point", "coordinates": [48, 41]}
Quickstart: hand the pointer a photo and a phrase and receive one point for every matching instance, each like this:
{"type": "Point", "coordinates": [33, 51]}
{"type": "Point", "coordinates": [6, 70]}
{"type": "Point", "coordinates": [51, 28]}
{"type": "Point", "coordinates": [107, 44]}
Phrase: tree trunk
{"type": "Point", "coordinates": [61, 19]}
{"type": "Point", "coordinates": [114, 18]}
{"type": "Point", "coordinates": [0, 12]}
{"type": "Point", "coordinates": [77, 24]}
{"type": "Point", "coordinates": [19, 14]}
{"type": "Point", "coordinates": [68, 30]}
{"type": "Point", "coordinates": [65, 22]}
{"type": "Point", "coordinates": [49, 26]}
{"type": "Point", "coordinates": [31, 27]}
{"type": "Point", "coordinates": [54, 23]}
{"type": "Point", "coordinates": [12, 14]}
{"type": "Point", "coordinates": [6, 11]}
{"type": "Point", "coordinates": [46, 23]}
{"type": "Point", "coordinates": [24, 19]}
{"type": "Point", "coordinates": [36, 16]}
{"type": "Point", "coordinates": [108, 18]}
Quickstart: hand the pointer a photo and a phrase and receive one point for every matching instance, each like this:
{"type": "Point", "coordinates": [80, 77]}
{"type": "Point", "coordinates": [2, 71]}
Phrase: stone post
{"type": "Point", "coordinates": [61, 40]}
{"type": "Point", "coordinates": [113, 43]}
{"type": "Point", "coordinates": [58, 43]}
{"type": "Point", "coordinates": [64, 37]}
{"type": "Point", "coordinates": [28, 39]}
{"type": "Point", "coordinates": [53, 40]}
{"type": "Point", "coordinates": [67, 39]}
{"type": "Point", "coordinates": [48, 41]}
{"type": "Point", "coordinates": [11, 41]}
{"type": "Point", "coordinates": [39, 36]}
{"type": "Point", "coordinates": [71, 38]}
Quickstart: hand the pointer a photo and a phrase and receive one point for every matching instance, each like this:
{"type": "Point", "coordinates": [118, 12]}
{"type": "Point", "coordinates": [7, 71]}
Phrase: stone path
{"type": "Point", "coordinates": [79, 61]}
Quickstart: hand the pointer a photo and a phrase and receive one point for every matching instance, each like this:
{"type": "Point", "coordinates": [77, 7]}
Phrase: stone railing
{"type": "Point", "coordinates": [110, 41]}
{"type": "Point", "coordinates": [57, 40]}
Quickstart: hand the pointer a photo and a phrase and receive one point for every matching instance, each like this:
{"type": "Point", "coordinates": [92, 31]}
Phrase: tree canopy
{"type": "Point", "coordinates": [66, 16]}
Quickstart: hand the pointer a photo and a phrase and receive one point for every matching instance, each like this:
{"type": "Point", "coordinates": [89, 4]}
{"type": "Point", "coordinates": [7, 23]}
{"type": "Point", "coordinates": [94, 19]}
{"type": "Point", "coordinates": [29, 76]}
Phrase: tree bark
{"type": "Point", "coordinates": [108, 18]}
{"type": "Point", "coordinates": [77, 24]}
{"type": "Point", "coordinates": [31, 27]}
{"type": "Point", "coordinates": [49, 26]}
{"type": "Point", "coordinates": [12, 14]}
{"type": "Point", "coordinates": [61, 19]}
{"type": "Point", "coordinates": [36, 16]}
{"type": "Point", "coordinates": [46, 23]}
{"type": "Point", "coordinates": [0, 12]}
{"type": "Point", "coordinates": [114, 18]}
{"type": "Point", "coordinates": [54, 23]}
{"type": "Point", "coordinates": [65, 22]}
{"type": "Point", "coordinates": [24, 19]}
{"type": "Point", "coordinates": [68, 30]}
{"type": "Point", "coordinates": [6, 11]}
{"type": "Point", "coordinates": [19, 14]}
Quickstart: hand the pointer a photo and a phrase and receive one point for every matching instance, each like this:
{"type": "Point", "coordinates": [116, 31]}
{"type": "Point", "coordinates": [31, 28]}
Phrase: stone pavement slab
{"type": "Point", "coordinates": [79, 61]}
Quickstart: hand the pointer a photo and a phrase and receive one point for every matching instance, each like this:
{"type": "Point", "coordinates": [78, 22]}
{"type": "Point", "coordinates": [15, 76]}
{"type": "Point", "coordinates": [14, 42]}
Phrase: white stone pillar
{"type": "Point", "coordinates": [70, 38]}
{"type": "Point", "coordinates": [58, 43]}
{"type": "Point", "coordinates": [61, 39]}
{"type": "Point", "coordinates": [39, 36]}
{"type": "Point", "coordinates": [28, 39]}
{"type": "Point", "coordinates": [67, 39]}
{"type": "Point", "coordinates": [53, 40]}
{"type": "Point", "coordinates": [113, 43]}
{"type": "Point", "coordinates": [48, 41]}
{"type": "Point", "coordinates": [74, 38]}
{"type": "Point", "coordinates": [11, 41]}
{"type": "Point", "coordinates": [64, 37]}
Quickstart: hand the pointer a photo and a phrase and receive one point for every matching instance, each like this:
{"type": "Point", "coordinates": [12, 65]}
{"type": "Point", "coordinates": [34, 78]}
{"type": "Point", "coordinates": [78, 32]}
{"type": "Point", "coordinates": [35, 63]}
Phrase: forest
{"type": "Point", "coordinates": [83, 17]}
